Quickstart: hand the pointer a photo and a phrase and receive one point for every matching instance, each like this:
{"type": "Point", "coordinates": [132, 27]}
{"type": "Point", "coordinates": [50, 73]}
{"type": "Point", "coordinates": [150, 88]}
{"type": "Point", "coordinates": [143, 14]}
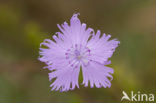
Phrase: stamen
{"type": "Point", "coordinates": [78, 54]}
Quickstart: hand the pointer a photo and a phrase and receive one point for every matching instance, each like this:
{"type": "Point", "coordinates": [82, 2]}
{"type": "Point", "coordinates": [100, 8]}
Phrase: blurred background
{"type": "Point", "coordinates": [24, 24]}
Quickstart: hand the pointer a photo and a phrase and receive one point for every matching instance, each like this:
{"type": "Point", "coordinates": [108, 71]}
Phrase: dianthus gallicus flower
{"type": "Point", "coordinates": [75, 47]}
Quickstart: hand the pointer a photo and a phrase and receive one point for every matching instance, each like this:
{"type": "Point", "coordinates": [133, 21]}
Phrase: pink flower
{"type": "Point", "coordinates": [74, 47]}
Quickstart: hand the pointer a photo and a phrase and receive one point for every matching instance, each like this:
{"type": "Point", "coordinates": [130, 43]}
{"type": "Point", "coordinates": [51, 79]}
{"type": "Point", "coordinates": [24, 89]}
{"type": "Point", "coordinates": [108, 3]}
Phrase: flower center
{"type": "Point", "coordinates": [78, 54]}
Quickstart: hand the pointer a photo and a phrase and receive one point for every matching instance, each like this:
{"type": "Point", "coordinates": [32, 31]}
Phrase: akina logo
{"type": "Point", "coordinates": [137, 96]}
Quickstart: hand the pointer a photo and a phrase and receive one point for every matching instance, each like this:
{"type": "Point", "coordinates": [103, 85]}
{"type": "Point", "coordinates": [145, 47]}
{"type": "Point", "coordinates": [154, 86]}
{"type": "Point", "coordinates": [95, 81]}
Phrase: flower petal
{"type": "Point", "coordinates": [54, 54]}
{"type": "Point", "coordinates": [75, 33]}
{"type": "Point", "coordinates": [97, 74]}
{"type": "Point", "coordinates": [66, 78]}
{"type": "Point", "coordinates": [101, 48]}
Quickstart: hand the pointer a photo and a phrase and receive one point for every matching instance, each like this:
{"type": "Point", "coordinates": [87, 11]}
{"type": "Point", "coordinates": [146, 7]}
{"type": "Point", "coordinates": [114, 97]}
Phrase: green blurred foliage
{"type": "Point", "coordinates": [24, 24]}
